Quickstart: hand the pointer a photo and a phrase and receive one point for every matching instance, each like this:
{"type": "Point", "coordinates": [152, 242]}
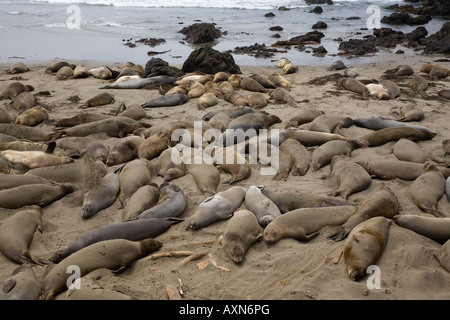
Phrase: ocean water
{"type": "Point", "coordinates": [99, 29]}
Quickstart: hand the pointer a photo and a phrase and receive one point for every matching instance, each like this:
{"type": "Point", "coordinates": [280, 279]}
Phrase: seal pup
{"type": "Point", "coordinates": [257, 101]}
{"type": "Point", "coordinates": [282, 62]}
{"type": "Point", "coordinates": [154, 145]}
{"type": "Point", "coordinates": [354, 85]}
{"type": "Point", "coordinates": [280, 81]}
{"type": "Point", "coordinates": [226, 87]}
{"type": "Point", "coordinates": [444, 93]}
{"type": "Point", "coordinates": [132, 176]}
{"type": "Point", "coordinates": [212, 87]}
{"type": "Point", "coordinates": [419, 84]}
{"type": "Point", "coordinates": [80, 118]}
{"type": "Point", "coordinates": [97, 150]}
{"type": "Point", "coordinates": [144, 198]}
{"type": "Point", "coordinates": [263, 208]}
{"type": "Point", "coordinates": [221, 76]}
{"type": "Point", "coordinates": [168, 169]}
{"type": "Point", "coordinates": [207, 100]}
{"type": "Point", "coordinates": [428, 189]}
{"type": "Point", "coordinates": [328, 123]}
{"type": "Point", "coordinates": [124, 150]}
{"type": "Point", "coordinates": [303, 116]}
{"type": "Point", "coordinates": [80, 71]}
{"type": "Point", "coordinates": [411, 113]}
{"type": "Point", "coordinates": [365, 245]}
{"type": "Point", "coordinates": [217, 208]}
{"type": "Point", "coordinates": [115, 254]}
{"type": "Point", "coordinates": [135, 112]}
{"type": "Point", "coordinates": [54, 67]}
{"type": "Point", "coordinates": [437, 229]}
{"type": "Point", "coordinates": [383, 202]}
{"type": "Point", "coordinates": [16, 234]}
{"type": "Point", "coordinates": [206, 176]}
{"type": "Point", "coordinates": [323, 154]}
{"type": "Point", "coordinates": [407, 150]}
{"type": "Point", "coordinates": [22, 284]}
{"type": "Point", "coordinates": [172, 203]}
{"type": "Point", "coordinates": [101, 73]}
{"type": "Point", "coordinates": [13, 89]}
{"type": "Point", "coordinates": [102, 195]}
{"type": "Point", "coordinates": [236, 98]}
{"type": "Point", "coordinates": [241, 232]}
{"type": "Point", "coordinates": [446, 147]}
{"type": "Point", "coordinates": [36, 159]}
{"type": "Point", "coordinates": [437, 73]}
{"type": "Point", "coordinates": [289, 68]}
{"type": "Point", "coordinates": [312, 138]}
{"type": "Point", "coordinates": [24, 101]}
{"type": "Point", "coordinates": [133, 230]}
{"type": "Point", "coordinates": [304, 224]}
{"type": "Point", "coordinates": [252, 85]}
{"type": "Point", "coordinates": [32, 116]}
{"type": "Point", "coordinates": [170, 100]}
{"type": "Point", "coordinates": [266, 83]}
{"type": "Point", "coordinates": [282, 95]}
{"type": "Point", "coordinates": [351, 178]}
{"type": "Point", "coordinates": [239, 168]}
{"type": "Point", "coordinates": [100, 99]}
{"type": "Point", "coordinates": [378, 123]}
{"type": "Point", "coordinates": [299, 155]}
{"type": "Point", "coordinates": [383, 136]}
{"type": "Point", "coordinates": [25, 132]}
{"type": "Point", "coordinates": [65, 73]}
{"type": "Point", "coordinates": [378, 91]}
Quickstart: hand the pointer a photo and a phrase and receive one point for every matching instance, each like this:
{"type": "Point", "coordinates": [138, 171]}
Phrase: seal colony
{"type": "Point", "coordinates": [243, 234]}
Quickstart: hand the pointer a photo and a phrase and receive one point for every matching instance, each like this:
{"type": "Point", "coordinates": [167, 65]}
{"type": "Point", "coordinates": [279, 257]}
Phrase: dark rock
{"type": "Point", "coordinates": [357, 47]}
{"type": "Point", "coordinates": [276, 28]}
{"type": "Point", "coordinates": [320, 25]}
{"type": "Point", "coordinates": [399, 52]}
{"type": "Point", "coordinates": [353, 18]}
{"type": "Point", "coordinates": [152, 42]}
{"type": "Point", "coordinates": [276, 35]}
{"type": "Point", "coordinates": [437, 8]}
{"type": "Point", "coordinates": [317, 9]}
{"type": "Point", "coordinates": [330, 2]}
{"type": "Point", "coordinates": [257, 51]}
{"type": "Point", "coordinates": [201, 33]}
{"type": "Point", "coordinates": [320, 50]}
{"type": "Point", "coordinates": [157, 66]}
{"type": "Point", "coordinates": [210, 61]}
{"type": "Point", "coordinates": [439, 42]}
{"type": "Point", "coordinates": [310, 37]}
{"type": "Point", "coordinates": [269, 15]}
{"type": "Point", "coordinates": [398, 18]}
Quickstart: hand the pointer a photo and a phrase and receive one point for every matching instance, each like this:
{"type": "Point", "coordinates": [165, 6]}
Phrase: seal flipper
{"type": "Point", "coordinates": [51, 147]}
{"type": "Point", "coordinates": [8, 285]}
{"type": "Point", "coordinates": [338, 236]}
{"type": "Point", "coordinates": [174, 220]}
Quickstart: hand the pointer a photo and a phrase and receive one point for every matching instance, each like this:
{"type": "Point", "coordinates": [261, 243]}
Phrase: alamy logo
{"type": "Point", "coordinates": [374, 280]}
{"type": "Point", "coordinates": [374, 20]}
{"type": "Point", "coordinates": [74, 281]}
{"type": "Point", "coordinates": [228, 147]}
{"type": "Point", "coordinates": [74, 20]}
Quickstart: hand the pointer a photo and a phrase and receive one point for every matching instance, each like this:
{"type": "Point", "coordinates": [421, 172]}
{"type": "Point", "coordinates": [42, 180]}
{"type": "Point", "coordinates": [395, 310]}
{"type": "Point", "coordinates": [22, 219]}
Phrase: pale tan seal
{"type": "Point", "coordinates": [239, 168]}
{"type": "Point", "coordinates": [235, 81]}
{"type": "Point", "coordinates": [419, 84]}
{"type": "Point", "coordinates": [428, 189]}
{"type": "Point", "coordinates": [133, 175]}
{"type": "Point", "coordinates": [328, 123]}
{"type": "Point", "coordinates": [207, 100]}
{"type": "Point", "coordinates": [217, 208]}
{"type": "Point", "coordinates": [22, 284]}
{"type": "Point", "coordinates": [144, 198]}
{"type": "Point", "coordinates": [289, 68]}
{"type": "Point", "coordinates": [196, 89]}
{"type": "Point", "coordinates": [323, 154]}
{"type": "Point", "coordinates": [35, 159]}
{"type": "Point", "coordinates": [437, 229]}
{"type": "Point", "coordinates": [90, 290]}
{"type": "Point", "coordinates": [24, 101]}
{"type": "Point", "coordinates": [32, 117]}
{"type": "Point", "coordinates": [220, 121]}
{"type": "Point", "coordinates": [411, 113]}
{"type": "Point", "coordinates": [378, 91]}
{"type": "Point", "coordinates": [305, 223]}
{"type": "Point", "coordinates": [262, 206]}
{"type": "Point", "coordinates": [383, 202]}
{"type": "Point", "coordinates": [206, 176]}
{"type": "Point", "coordinates": [303, 116]}
{"type": "Point", "coordinates": [13, 89]}
{"type": "Point", "coordinates": [299, 155]}
{"type": "Point", "coordinates": [155, 144]}
{"type": "Point", "coordinates": [312, 138]}
{"type": "Point", "coordinates": [266, 83]}
{"type": "Point", "coordinates": [282, 62]}
{"type": "Point", "coordinates": [437, 73]}
{"type": "Point", "coordinates": [426, 67]}
{"type": "Point", "coordinates": [365, 245]}
{"type": "Point", "coordinates": [135, 112]}
{"type": "Point", "coordinates": [226, 87]}
{"type": "Point", "coordinates": [407, 150]}
{"type": "Point", "coordinates": [252, 85]}
{"type": "Point", "coordinates": [100, 99]}
{"type": "Point", "coordinates": [168, 169]}
{"type": "Point", "coordinates": [236, 98]}
{"type": "Point", "coordinates": [124, 150]}
{"type": "Point", "coordinates": [16, 234]}
{"type": "Point", "coordinates": [115, 254]}
{"type": "Point", "coordinates": [101, 73]}
{"type": "Point", "coordinates": [282, 95]}
{"type": "Point", "coordinates": [354, 85]}
{"type": "Point", "coordinates": [280, 81]}
{"type": "Point", "coordinates": [65, 73]}
{"type": "Point", "coordinates": [257, 101]}
{"type": "Point", "coordinates": [221, 76]}
{"type": "Point", "coordinates": [214, 88]}
{"type": "Point", "coordinates": [80, 71]}
{"type": "Point", "coordinates": [241, 232]}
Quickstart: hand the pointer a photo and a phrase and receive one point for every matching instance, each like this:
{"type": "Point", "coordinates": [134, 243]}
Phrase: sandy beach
{"type": "Point", "coordinates": [287, 270]}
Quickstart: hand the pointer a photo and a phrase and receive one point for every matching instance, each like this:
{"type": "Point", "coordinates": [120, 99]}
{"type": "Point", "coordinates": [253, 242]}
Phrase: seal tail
{"type": "Point", "coordinates": [174, 220]}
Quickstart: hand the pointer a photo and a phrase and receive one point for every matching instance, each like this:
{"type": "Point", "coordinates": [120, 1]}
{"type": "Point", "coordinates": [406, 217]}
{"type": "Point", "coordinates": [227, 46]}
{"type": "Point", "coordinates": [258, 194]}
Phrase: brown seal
{"type": "Point", "coordinates": [18, 67]}
{"type": "Point", "coordinates": [267, 120]}
{"type": "Point", "coordinates": [266, 83]}
{"type": "Point", "coordinates": [280, 81]}
{"type": "Point", "coordinates": [300, 156]}
{"type": "Point", "coordinates": [351, 178]}
{"type": "Point", "coordinates": [428, 189]}
{"type": "Point", "coordinates": [14, 180]}
{"type": "Point", "coordinates": [80, 118]}
{"type": "Point", "coordinates": [444, 256]}
{"type": "Point", "coordinates": [407, 150]}
{"type": "Point", "coordinates": [101, 73]}
{"type": "Point", "coordinates": [80, 71]}
{"type": "Point", "coordinates": [168, 169]}
{"type": "Point", "coordinates": [323, 154]}
{"type": "Point", "coordinates": [328, 123]}
{"type": "Point", "coordinates": [114, 254]}
{"type": "Point", "coordinates": [196, 89]}
{"type": "Point", "coordinates": [353, 85]}
{"type": "Point", "coordinates": [391, 169]}
{"type": "Point", "coordinates": [21, 285]}
{"type": "Point", "coordinates": [437, 229]}
{"type": "Point", "coordinates": [239, 168]}
{"type": "Point", "coordinates": [144, 198]}
{"type": "Point", "coordinates": [236, 98]}
{"type": "Point", "coordinates": [403, 70]}
{"type": "Point", "coordinates": [257, 101]}
{"type": "Point", "coordinates": [282, 95]}
{"type": "Point", "coordinates": [235, 81]}
{"type": "Point", "coordinates": [303, 116]}
{"type": "Point", "coordinates": [437, 73]}
{"type": "Point", "coordinates": [382, 136]}
{"type": "Point", "coordinates": [241, 232]}
{"type": "Point", "coordinates": [16, 234]}
{"type": "Point", "coordinates": [291, 200]}
{"type": "Point", "coordinates": [365, 245]}
{"type": "Point", "coordinates": [262, 206]}
{"type": "Point", "coordinates": [207, 100]}
{"type": "Point", "coordinates": [446, 146]}
{"type": "Point", "coordinates": [54, 67]}
{"type": "Point", "coordinates": [135, 112]}
{"type": "Point", "coordinates": [444, 93]}
{"type": "Point", "coordinates": [220, 121]}
{"type": "Point", "coordinates": [226, 87]}
{"type": "Point", "coordinates": [24, 101]}
{"type": "Point", "coordinates": [65, 73]}
{"type": "Point", "coordinates": [411, 113]}
{"type": "Point", "coordinates": [250, 84]}
{"type": "Point", "coordinates": [124, 150]}
{"type": "Point", "coordinates": [289, 68]}
{"type": "Point", "coordinates": [100, 99]}
{"type": "Point", "coordinates": [206, 176]}
{"type": "Point", "coordinates": [214, 88]}
{"type": "Point", "coordinates": [393, 89]}
{"type": "Point", "coordinates": [4, 116]}
{"type": "Point", "coordinates": [13, 89]}
{"type": "Point", "coordinates": [312, 138]}
{"type": "Point", "coordinates": [155, 144]}
{"type": "Point", "coordinates": [305, 223]}
{"type": "Point", "coordinates": [221, 76]}
{"type": "Point", "coordinates": [24, 132]}
{"type": "Point", "coordinates": [383, 202]}
{"type": "Point", "coordinates": [32, 117]}
{"type": "Point", "coordinates": [426, 67]}
{"type": "Point", "coordinates": [133, 175]}
{"type": "Point", "coordinates": [97, 150]}
{"type": "Point", "coordinates": [419, 84]}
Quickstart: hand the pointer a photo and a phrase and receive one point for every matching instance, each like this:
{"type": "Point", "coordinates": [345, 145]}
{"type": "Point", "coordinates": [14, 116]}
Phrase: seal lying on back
{"type": "Point", "coordinates": [170, 100]}
{"type": "Point", "coordinates": [262, 206]}
{"type": "Point", "coordinates": [171, 203]}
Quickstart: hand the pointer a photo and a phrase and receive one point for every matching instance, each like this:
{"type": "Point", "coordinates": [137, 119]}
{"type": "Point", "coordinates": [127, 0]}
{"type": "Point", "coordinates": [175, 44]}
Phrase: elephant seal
{"type": "Point", "coordinates": [15, 180]}
{"type": "Point", "coordinates": [133, 230]}
{"type": "Point", "coordinates": [444, 256]}
{"type": "Point", "coordinates": [378, 123]}
{"type": "Point", "coordinates": [444, 93]}
{"type": "Point", "coordinates": [391, 169]}
{"type": "Point", "coordinates": [18, 67]}
{"type": "Point", "coordinates": [383, 202]}
{"type": "Point", "coordinates": [292, 200]}
{"type": "Point", "coordinates": [24, 101]}
{"type": "Point", "coordinates": [35, 159]}
{"type": "Point", "coordinates": [419, 84]}
{"type": "Point", "coordinates": [13, 89]}
{"type": "Point", "coordinates": [172, 203]}
{"type": "Point", "coordinates": [393, 89]}
{"type": "Point", "coordinates": [32, 117]}
{"type": "Point", "coordinates": [411, 113]}
{"type": "Point", "coordinates": [378, 91]}
{"type": "Point", "coordinates": [337, 65]}
{"type": "Point", "coordinates": [437, 73]}
{"type": "Point", "coordinates": [195, 89]}
{"type": "Point", "coordinates": [289, 68]}
{"type": "Point", "coordinates": [16, 234]}
{"type": "Point", "coordinates": [264, 209]}
{"type": "Point", "coordinates": [115, 254]}
{"type": "Point", "coordinates": [252, 85]}
{"type": "Point", "coordinates": [426, 67]}
{"type": "Point", "coordinates": [124, 150]}
{"type": "Point", "coordinates": [171, 100]}
{"type": "Point", "coordinates": [303, 116]}
{"type": "Point", "coordinates": [217, 208]}
{"type": "Point", "coordinates": [207, 100]}
{"type": "Point", "coordinates": [54, 67]}
{"type": "Point", "coordinates": [25, 132]}
{"type": "Point", "coordinates": [400, 71]}
{"type": "Point", "coordinates": [4, 116]}
{"type": "Point", "coordinates": [21, 285]}
{"type": "Point", "coordinates": [323, 154]}
{"type": "Point", "coordinates": [103, 73]}
{"type": "Point", "coordinates": [428, 189]}
{"type": "Point", "coordinates": [97, 150]}
{"type": "Point", "coordinates": [280, 81]}
{"type": "Point", "coordinates": [80, 72]}
{"type": "Point", "coordinates": [354, 85]}
{"type": "Point", "coordinates": [407, 150]}
{"type": "Point", "coordinates": [136, 82]}
{"type": "Point", "coordinates": [168, 169]}
{"type": "Point", "coordinates": [447, 188]}
{"type": "Point", "coordinates": [239, 168]}
{"type": "Point", "coordinates": [235, 81]}
{"type": "Point", "coordinates": [206, 176]}
{"type": "Point", "coordinates": [282, 95]}
{"type": "Point", "coordinates": [365, 245]}
{"type": "Point", "coordinates": [221, 76]}
{"type": "Point", "coordinates": [80, 118]}
{"type": "Point", "coordinates": [382, 136]}
{"type": "Point", "coordinates": [351, 178]}
{"type": "Point", "coordinates": [282, 62]}
{"type": "Point", "coordinates": [144, 198]}
{"type": "Point", "coordinates": [312, 138]}
{"type": "Point", "coordinates": [266, 83]}
{"type": "Point", "coordinates": [328, 123]}
{"type": "Point", "coordinates": [100, 99]}
{"type": "Point", "coordinates": [437, 229]}
{"type": "Point", "coordinates": [257, 101]}
{"type": "Point", "coordinates": [65, 73]}
{"type": "Point", "coordinates": [134, 174]}
{"type": "Point", "coordinates": [267, 120]}
{"type": "Point", "coordinates": [305, 223]}
{"type": "Point", "coordinates": [299, 155]}
{"type": "Point", "coordinates": [135, 112]}
{"type": "Point", "coordinates": [446, 146]}
{"type": "Point", "coordinates": [226, 88]}
{"type": "Point", "coordinates": [241, 232]}
{"type": "Point", "coordinates": [102, 195]}
{"type": "Point", "coordinates": [154, 145]}
{"type": "Point", "coordinates": [220, 121]}
{"type": "Point", "coordinates": [212, 87]}
{"type": "Point", "coordinates": [236, 98]}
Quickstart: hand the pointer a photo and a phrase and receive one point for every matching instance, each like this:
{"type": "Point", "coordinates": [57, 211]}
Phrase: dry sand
{"type": "Point", "coordinates": [288, 269]}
